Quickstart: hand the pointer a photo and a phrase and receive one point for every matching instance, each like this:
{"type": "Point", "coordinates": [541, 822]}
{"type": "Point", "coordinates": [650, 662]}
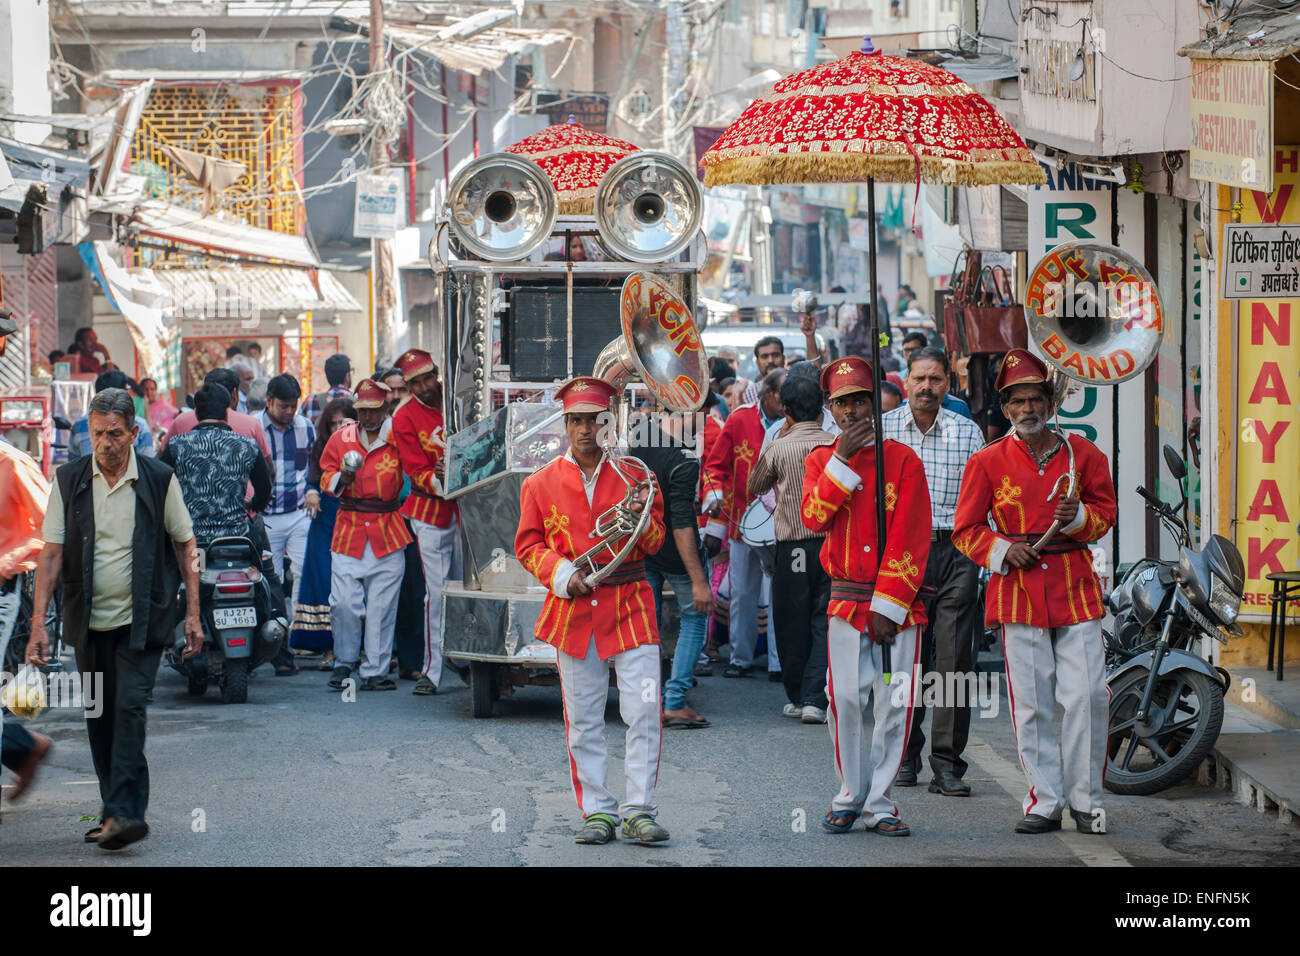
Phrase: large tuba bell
{"type": "Point", "coordinates": [660, 346]}
{"type": "Point", "coordinates": [501, 207]}
{"type": "Point", "coordinates": [1094, 313]}
{"type": "Point", "coordinates": [648, 207]}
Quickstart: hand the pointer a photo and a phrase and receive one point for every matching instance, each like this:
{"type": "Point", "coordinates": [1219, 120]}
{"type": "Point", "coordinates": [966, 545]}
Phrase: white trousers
{"type": "Point", "coordinates": [288, 535]}
{"type": "Point", "coordinates": [365, 589]}
{"type": "Point", "coordinates": [1066, 666]}
{"type": "Point", "coordinates": [866, 776]}
{"type": "Point", "coordinates": [744, 594]}
{"type": "Point", "coordinates": [585, 686]}
{"type": "Point", "coordinates": [440, 555]}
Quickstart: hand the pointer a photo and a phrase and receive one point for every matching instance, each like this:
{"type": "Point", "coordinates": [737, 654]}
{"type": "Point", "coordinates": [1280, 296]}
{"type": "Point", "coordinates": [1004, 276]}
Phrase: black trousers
{"type": "Point", "coordinates": [409, 639]}
{"type": "Point", "coordinates": [948, 592]}
{"type": "Point", "coordinates": [801, 590]}
{"type": "Point", "coordinates": [117, 734]}
{"type": "Point", "coordinates": [17, 744]}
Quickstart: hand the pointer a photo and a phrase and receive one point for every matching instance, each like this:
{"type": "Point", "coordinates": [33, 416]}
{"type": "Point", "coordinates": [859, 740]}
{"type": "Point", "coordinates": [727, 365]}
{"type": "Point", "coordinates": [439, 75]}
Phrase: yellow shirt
{"type": "Point", "coordinates": [110, 605]}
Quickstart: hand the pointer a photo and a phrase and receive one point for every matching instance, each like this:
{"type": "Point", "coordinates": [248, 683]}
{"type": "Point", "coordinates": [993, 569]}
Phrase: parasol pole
{"type": "Point", "coordinates": [875, 398]}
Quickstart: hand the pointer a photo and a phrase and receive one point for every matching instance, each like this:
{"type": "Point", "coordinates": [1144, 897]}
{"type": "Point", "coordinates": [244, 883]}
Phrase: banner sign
{"type": "Point", "coordinates": [1268, 406]}
{"type": "Point", "coordinates": [1261, 262]}
{"type": "Point", "coordinates": [377, 213]}
{"type": "Point", "coordinates": [1232, 123]}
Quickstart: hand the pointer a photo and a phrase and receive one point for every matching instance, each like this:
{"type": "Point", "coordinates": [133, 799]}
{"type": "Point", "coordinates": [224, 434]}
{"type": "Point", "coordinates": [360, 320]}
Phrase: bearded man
{"type": "Point", "coordinates": [1047, 599]}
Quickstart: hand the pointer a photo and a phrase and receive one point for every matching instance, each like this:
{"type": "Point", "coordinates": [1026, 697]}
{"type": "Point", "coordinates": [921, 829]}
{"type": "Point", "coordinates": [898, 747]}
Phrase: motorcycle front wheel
{"type": "Point", "coordinates": [1182, 724]}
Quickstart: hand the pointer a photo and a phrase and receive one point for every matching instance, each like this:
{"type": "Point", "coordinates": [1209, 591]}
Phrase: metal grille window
{"type": "Point", "coordinates": [257, 125]}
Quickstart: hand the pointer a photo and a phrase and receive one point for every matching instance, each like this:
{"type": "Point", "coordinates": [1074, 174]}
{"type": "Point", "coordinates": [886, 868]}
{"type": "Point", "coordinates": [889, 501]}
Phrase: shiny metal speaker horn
{"type": "Point", "coordinates": [501, 207]}
{"type": "Point", "coordinates": [659, 345]}
{"type": "Point", "coordinates": [648, 207]}
{"type": "Point", "coordinates": [1094, 312]}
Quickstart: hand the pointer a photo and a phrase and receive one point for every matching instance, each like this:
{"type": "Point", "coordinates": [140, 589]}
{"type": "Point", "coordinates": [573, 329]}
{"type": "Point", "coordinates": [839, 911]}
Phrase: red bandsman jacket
{"type": "Point", "coordinates": [1004, 480]}
{"type": "Point", "coordinates": [840, 500]}
{"type": "Point", "coordinates": [367, 509]}
{"type": "Point", "coordinates": [730, 459]}
{"type": "Point", "coordinates": [418, 434]}
{"type": "Point", "coordinates": [555, 526]}
{"type": "Point", "coordinates": [710, 434]}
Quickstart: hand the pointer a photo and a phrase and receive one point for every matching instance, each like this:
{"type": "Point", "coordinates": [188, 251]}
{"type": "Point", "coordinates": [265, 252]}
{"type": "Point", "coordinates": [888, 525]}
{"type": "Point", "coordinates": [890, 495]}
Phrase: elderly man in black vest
{"type": "Point", "coordinates": [118, 539]}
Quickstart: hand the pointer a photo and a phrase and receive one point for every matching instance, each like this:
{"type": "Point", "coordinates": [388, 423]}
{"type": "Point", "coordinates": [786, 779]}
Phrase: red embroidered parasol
{"type": "Point", "coordinates": [868, 115]}
{"type": "Point", "coordinates": [575, 159]}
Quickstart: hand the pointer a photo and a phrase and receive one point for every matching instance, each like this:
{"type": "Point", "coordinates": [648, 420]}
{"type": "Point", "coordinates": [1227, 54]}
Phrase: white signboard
{"type": "Point", "coordinates": [377, 213]}
{"type": "Point", "coordinates": [979, 214]}
{"type": "Point", "coordinates": [1261, 262]}
{"type": "Point", "coordinates": [1232, 123]}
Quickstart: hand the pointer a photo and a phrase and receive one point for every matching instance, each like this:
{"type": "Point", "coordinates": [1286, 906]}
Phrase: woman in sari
{"type": "Point", "coordinates": [311, 618]}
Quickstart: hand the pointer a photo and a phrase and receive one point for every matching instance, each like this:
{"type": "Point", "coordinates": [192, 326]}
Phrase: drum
{"type": "Point", "coordinates": [758, 530]}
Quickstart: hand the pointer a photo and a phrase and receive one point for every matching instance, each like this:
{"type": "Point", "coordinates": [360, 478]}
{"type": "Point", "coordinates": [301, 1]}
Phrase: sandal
{"type": "Point", "coordinates": [685, 723]}
{"type": "Point", "coordinates": [326, 663]}
{"type": "Point", "coordinates": [378, 683]}
{"type": "Point", "coordinates": [92, 835]}
{"type": "Point", "coordinates": [890, 826]}
{"type": "Point", "coordinates": [703, 670]}
{"type": "Point", "coordinates": [840, 821]}
{"type": "Point", "coordinates": [732, 670]}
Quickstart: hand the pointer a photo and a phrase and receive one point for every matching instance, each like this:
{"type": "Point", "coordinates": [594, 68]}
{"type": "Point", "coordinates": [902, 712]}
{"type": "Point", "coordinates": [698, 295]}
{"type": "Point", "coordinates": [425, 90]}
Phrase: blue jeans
{"type": "Point", "coordinates": [690, 638]}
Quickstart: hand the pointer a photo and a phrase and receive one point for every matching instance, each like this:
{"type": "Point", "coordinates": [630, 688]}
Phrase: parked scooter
{"type": "Point", "coordinates": [1166, 705]}
{"type": "Point", "coordinates": [239, 632]}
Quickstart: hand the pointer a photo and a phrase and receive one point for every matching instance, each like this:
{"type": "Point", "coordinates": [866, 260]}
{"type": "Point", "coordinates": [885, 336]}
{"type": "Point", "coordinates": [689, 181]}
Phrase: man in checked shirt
{"type": "Point", "coordinates": [944, 441]}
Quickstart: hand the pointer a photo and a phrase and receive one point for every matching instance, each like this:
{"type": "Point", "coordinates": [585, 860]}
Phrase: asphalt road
{"type": "Point", "coordinates": [298, 776]}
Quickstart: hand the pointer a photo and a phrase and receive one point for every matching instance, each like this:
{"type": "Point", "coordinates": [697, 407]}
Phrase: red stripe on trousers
{"type": "Point", "coordinates": [573, 764]}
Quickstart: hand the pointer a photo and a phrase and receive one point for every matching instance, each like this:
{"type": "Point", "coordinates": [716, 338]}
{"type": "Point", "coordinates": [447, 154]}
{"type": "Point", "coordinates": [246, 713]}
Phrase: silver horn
{"type": "Point", "coordinates": [648, 207]}
{"type": "Point", "coordinates": [501, 207]}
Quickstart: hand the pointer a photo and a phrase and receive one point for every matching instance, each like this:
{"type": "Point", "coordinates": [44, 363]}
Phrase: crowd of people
{"type": "Point", "coordinates": [342, 491]}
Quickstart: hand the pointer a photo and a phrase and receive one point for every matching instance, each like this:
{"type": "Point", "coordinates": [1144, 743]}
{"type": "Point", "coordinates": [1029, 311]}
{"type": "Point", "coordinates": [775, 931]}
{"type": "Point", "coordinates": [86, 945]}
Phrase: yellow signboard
{"type": "Point", "coordinates": [1268, 408]}
{"type": "Point", "coordinates": [1232, 123]}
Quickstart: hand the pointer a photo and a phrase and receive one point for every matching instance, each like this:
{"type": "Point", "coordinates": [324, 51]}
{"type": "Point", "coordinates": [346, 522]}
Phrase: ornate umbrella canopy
{"type": "Point", "coordinates": [575, 159]}
{"type": "Point", "coordinates": [870, 115]}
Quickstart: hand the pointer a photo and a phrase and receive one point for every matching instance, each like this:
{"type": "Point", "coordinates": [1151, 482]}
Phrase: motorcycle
{"type": "Point", "coordinates": [239, 632]}
{"type": "Point", "coordinates": [1166, 705]}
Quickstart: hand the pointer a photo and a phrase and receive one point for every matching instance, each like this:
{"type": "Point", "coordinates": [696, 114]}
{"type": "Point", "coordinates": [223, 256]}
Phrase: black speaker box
{"type": "Point", "coordinates": [536, 331]}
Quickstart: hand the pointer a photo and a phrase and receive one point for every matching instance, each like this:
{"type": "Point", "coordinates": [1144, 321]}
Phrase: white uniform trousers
{"type": "Point", "coordinates": [744, 594]}
{"type": "Point", "coordinates": [1066, 666]}
{"type": "Point", "coordinates": [855, 675]}
{"type": "Point", "coordinates": [365, 588]}
{"type": "Point", "coordinates": [584, 683]}
{"type": "Point", "coordinates": [288, 535]}
{"type": "Point", "coordinates": [440, 555]}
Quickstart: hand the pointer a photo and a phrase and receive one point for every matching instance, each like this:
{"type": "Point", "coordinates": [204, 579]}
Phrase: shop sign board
{"type": "Point", "coordinates": [1267, 430]}
{"type": "Point", "coordinates": [1261, 261]}
{"type": "Point", "coordinates": [1232, 123]}
{"type": "Point", "coordinates": [377, 210]}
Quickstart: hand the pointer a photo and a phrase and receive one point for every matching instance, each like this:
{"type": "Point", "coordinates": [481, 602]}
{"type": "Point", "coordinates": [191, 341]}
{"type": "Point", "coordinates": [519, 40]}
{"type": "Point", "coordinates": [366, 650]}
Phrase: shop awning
{"type": "Point", "coordinates": [228, 293]}
{"type": "Point", "coordinates": [478, 53]}
{"type": "Point", "coordinates": [985, 68]}
{"type": "Point", "coordinates": [166, 221]}
{"type": "Point", "coordinates": [1264, 32]}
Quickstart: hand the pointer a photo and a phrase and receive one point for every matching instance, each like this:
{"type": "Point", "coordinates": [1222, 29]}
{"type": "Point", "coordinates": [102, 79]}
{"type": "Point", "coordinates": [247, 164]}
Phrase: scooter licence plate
{"type": "Point", "coordinates": [226, 617]}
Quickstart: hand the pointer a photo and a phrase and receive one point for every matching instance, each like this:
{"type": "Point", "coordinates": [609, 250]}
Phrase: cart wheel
{"type": "Point", "coordinates": [483, 687]}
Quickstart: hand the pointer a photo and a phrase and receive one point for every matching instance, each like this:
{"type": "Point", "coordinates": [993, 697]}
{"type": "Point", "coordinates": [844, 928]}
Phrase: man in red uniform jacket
{"type": "Point", "coordinates": [730, 460]}
{"type": "Point", "coordinates": [367, 563]}
{"type": "Point", "coordinates": [873, 597]}
{"type": "Point", "coordinates": [418, 433]}
{"type": "Point", "coordinates": [613, 622]}
{"type": "Point", "coordinates": [1048, 601]}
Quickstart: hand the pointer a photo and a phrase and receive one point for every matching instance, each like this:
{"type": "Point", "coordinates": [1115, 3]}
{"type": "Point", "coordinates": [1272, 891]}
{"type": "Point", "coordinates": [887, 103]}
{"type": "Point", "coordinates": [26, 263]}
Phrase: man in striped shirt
{"type": "Point", "coordinates": [944, 440]}
{"type": "Point", "coordinates": [290, 436]}
{"type": "Point", "coordinates": [801, 589]}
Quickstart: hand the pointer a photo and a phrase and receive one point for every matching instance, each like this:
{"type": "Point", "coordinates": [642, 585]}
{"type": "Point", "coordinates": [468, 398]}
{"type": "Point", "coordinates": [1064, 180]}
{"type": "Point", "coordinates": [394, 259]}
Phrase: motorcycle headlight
{"type": "Point", "coordinates": [1224, 603]}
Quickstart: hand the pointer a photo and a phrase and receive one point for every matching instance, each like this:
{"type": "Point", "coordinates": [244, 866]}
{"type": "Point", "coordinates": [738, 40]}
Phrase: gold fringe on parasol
{"type": "Point", "coordinates": [846, 167]}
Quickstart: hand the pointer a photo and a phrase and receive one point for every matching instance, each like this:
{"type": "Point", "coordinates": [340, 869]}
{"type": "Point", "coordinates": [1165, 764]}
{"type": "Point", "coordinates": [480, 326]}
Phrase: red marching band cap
{"type": "Point", "coordinates": [851, 374]}
{"type": "Point", "coordinates": [1020, 367]}
{"type": "Point", "coordinates": [586, 394]}
{"type": "Point", "coordinates": [415, 362]}
{"type": "Point", "coordinates": [371, 394]}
